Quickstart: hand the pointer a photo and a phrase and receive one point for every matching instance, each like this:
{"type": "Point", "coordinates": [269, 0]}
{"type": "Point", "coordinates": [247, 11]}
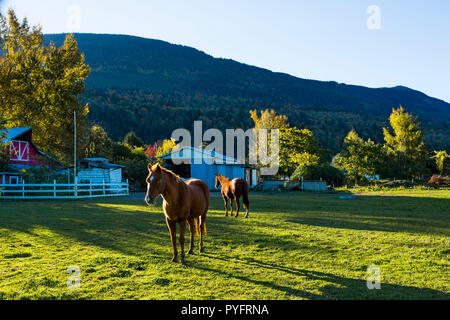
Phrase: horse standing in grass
{"type": "Point", "coordinates": [233, 190]}
{"type": "Point", "coordinates": [184, 203]}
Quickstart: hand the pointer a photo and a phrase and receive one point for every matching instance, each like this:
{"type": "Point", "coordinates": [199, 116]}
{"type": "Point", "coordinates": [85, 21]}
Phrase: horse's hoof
{"type": "Point", "coordinates": [190, 251]}
{"type": "Point", "coordinates": [174, 260]}
{"type": "Point", "coordinates": [236, 216]}
{"type": "Point", "coordinates": [202, 250]}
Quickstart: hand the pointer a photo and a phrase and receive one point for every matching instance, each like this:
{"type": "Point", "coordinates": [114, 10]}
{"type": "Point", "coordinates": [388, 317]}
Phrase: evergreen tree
{"type": "Point", "coordinates": [133, 140]}
{"type": "Point", "coordinates": [98, 143]}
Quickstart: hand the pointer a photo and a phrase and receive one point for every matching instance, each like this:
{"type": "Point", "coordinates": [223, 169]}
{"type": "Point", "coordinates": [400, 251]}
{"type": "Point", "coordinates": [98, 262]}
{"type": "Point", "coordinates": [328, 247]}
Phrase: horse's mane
{"type": "Point", "coordinates": [172, 176]}
{"type": "Point", "coordinates": [223, 177]}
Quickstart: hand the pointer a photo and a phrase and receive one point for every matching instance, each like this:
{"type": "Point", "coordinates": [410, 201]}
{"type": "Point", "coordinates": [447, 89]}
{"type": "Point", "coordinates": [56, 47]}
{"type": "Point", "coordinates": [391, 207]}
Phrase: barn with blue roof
{"type": "Point", "coordinates": [205, 165]}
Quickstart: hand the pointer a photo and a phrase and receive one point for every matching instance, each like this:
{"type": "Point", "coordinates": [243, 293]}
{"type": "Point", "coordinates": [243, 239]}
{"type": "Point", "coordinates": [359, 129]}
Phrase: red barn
{"type": "Point", "coordinates": [22, 153]}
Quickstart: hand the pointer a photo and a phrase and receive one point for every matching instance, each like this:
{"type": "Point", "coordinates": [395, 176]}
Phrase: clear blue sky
{"type": "Point", "coordinates": [320, 39]}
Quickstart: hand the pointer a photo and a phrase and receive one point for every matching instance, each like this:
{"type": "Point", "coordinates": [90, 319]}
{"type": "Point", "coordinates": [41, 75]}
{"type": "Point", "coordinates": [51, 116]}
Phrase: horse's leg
{"type": "Point", "coordinates": [182, 232]}
{"type": "Point", "coordinates": [245, 201]}
{"type": "Point", "coordinates": [191, 231]}
{"type": "Point", "coordinates": [202, 230]}
{"type": "Point", "coordinates": [231, 206]}
{"type": "Point", "coordinates": [225, 200]}
{"type": "Point", "coordinates": [173, 236]}
{"type": "Point", "coordinates": [237, 206]}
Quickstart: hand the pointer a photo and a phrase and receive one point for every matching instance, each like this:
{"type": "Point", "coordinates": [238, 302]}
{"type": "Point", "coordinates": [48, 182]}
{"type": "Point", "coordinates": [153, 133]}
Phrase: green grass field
{"type": "Point", "coordinates": [294, 246]}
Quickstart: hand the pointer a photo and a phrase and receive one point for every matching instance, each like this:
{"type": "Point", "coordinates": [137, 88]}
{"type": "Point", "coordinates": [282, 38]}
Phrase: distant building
{"type": "Point", "coordinates": [209, 164]}
{"type": "Point", "coordinates": [99, 170]}
{"type": "Point", "coordinates": [372, 178]}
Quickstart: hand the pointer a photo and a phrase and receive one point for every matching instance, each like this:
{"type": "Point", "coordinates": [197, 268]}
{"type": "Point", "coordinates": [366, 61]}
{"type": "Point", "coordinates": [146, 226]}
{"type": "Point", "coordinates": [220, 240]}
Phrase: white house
{"type": "Point", "coordinates": [99, 170]}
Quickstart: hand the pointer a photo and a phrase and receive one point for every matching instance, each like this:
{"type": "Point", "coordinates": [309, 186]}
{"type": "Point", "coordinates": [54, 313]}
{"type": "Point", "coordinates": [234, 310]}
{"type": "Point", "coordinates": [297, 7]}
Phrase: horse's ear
{"type": "Point", "coordinates": [149, 166]}
{"type": "Point", "coordinates": [158, 168]}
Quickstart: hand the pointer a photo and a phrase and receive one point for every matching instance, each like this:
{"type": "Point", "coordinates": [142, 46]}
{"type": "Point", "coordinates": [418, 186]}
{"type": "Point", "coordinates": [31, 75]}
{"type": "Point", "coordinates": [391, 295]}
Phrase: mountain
{"type": "Point", "coordinates": [153, 87]}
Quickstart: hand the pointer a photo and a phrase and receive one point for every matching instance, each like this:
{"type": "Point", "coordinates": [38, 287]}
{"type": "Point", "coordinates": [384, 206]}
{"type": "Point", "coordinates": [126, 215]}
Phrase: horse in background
{"type": "Point", "coordinates": [233, 190]}
{"type": "Point", "coordinates": [183, 203]}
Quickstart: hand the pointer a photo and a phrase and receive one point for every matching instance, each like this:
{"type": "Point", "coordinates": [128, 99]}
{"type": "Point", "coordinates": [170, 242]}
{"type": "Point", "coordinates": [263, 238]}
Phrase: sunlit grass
{"type": "Point", "coordinates": [294, 246]}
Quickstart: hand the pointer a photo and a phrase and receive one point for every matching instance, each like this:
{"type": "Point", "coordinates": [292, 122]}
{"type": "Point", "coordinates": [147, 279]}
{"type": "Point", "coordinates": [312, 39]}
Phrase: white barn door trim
{"type": "Point", "coordinates": [19, 151]}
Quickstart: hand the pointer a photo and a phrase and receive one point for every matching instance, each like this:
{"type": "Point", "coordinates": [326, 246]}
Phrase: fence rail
{"type": "Point", "coordinates": [63, 191]}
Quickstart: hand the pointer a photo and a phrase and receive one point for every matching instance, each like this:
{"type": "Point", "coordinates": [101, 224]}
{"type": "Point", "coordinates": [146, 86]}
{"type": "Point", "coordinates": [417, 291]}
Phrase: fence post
{"type": "Point", "coordinates": [23, 188]}
{"type": "Point", "coordinates": [54, 188]}
{"type": "Point", "coordinates": [90, 187]}
{"type": "Point", "coordinates": [75, 180]}
{"type": "Point", "coordinates": [104, 187]}
{"type": "Point", "coordinates": [128, 188]}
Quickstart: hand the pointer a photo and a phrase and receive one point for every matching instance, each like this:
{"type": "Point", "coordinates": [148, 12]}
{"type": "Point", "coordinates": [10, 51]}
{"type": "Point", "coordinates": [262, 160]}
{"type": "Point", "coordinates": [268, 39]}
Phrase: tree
{"type": "Point", "coordinates": [298, 147]}
{"type": "Point", "coordinates": [441, 158]}
{"type": "Point", "coordinates": [135, 161]}
{"type": "Point", "coordinates": [3, 154]}
{"type": "Point", "coordinates": [133, 140]}
{"type": "Point", "coordinates": [135, 166]}
{"type": "Point", "coordinates": [151, 150]}
{"type": "Point", "coordinates": [98, 143]}
{"type": "Point", "coordinates": [167, 146]}
{"type": "Point", "coordinates": [331, 175]}
{"type": "Point", "coordinates": [40, 85]}
{"type": "Point", "coordinates": [120, 152]}
{"type": "Point", "coordinates": [358, 158]}
{"type": "Point", "coordinates": [406, 144]}
{"type": "Point", "coordinates": [269, 119]}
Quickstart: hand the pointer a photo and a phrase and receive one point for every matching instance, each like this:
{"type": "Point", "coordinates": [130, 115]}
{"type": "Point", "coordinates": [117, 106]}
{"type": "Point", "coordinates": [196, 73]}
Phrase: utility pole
{"type": "Point", "coordinates": [75, 147]}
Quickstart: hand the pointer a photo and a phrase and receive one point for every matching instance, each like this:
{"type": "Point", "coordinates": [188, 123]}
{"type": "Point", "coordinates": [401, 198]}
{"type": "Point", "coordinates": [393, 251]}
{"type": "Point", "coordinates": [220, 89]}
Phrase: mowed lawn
{"type": "Point", "coordinates": [293, 246]}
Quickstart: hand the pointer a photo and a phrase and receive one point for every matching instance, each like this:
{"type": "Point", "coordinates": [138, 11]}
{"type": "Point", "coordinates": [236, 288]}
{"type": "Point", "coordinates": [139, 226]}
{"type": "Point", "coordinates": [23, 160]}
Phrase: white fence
{"type": "Point", "coordinates": [63, 191]}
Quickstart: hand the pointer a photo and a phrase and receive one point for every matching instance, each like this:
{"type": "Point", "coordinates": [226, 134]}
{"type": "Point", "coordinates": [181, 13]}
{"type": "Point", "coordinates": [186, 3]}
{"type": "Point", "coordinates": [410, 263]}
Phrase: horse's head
{"type": "Point", "coordinates": [155, 183]}
{"type": "Point", "coordinates": [217, 181]}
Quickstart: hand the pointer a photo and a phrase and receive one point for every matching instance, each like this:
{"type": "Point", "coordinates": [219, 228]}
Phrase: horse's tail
{"type": "Point", "coordinates": [245, 196]}
{"type": "Point", "coordinates": [197, 227]}
{"type": "Point", "coordinates": [204, 226]}
{"type": "Point", "coordinates": [203, 217]}
{"type": "Point", "coordinates": [197, 224]}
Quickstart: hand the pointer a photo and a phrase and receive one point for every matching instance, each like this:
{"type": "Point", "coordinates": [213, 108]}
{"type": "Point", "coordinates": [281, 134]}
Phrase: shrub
{"type": "Point", "coordinates": [331, 175]}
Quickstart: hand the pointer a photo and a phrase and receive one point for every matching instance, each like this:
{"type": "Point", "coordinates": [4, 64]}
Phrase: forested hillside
{"type": "Point", "coordinates": [153, 87]}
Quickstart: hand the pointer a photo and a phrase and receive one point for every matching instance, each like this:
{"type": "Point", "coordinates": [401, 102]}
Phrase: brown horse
{"type": "Point", "coordinates": [183, 203]}
{"type": "Point", "coordinates": [233, 190]}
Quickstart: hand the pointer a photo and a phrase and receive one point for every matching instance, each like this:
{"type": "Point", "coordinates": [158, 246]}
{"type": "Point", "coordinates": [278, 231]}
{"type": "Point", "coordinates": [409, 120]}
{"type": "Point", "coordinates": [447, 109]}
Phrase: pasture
{"type": "Point", "coordinates": [293, 246]}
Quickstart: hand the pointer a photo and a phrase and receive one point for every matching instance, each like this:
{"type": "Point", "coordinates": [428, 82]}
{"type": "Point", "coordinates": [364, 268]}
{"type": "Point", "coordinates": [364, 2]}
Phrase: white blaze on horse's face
{"type": "Point", "coordinates": [148, 198]}
{"type": "Point", "coordinates": [154, 186]}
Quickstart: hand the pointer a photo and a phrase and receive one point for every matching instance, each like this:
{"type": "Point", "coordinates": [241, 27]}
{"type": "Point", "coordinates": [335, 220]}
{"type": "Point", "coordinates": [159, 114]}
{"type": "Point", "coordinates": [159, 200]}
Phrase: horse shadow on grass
{"type": "Point", "coordinates": [341, 289]}
{"type": "Point", "coordinates": [126, 228]}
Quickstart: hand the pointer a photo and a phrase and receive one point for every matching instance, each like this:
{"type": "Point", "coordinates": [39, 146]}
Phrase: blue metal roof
{"type": "Point", "coordinates": [13, 133]}
{"type": "Point", "coordinates": [189, 155]}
